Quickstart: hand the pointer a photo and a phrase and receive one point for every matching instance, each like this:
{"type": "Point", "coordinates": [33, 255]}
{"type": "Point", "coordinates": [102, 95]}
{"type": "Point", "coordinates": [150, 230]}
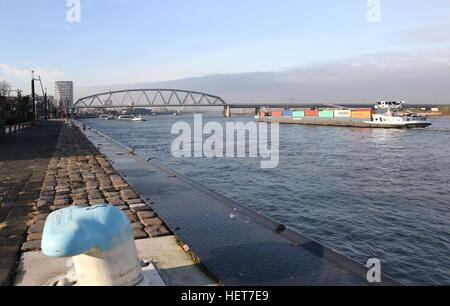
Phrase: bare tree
{"type": "Point", "coordinates": [5, 89]}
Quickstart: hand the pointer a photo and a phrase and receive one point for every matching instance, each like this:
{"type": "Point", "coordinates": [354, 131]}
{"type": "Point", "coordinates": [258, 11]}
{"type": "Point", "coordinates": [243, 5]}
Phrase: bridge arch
{"type": "Point", "coordinates": [148, 98]}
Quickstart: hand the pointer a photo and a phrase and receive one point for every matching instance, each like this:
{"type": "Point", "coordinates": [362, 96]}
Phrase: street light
{"type": "Point", "coordinates": [44, 97]}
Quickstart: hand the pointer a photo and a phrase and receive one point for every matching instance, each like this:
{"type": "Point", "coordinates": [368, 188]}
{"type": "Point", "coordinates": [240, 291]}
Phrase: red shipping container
{"type": "Point", "coordinates": [277, 114]}
{"type": "Point", "coordinates": [312, 113]}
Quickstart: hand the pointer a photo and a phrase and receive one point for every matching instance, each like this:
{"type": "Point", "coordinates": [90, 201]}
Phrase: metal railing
{"type": "Point", "coordinates": [15, 128]}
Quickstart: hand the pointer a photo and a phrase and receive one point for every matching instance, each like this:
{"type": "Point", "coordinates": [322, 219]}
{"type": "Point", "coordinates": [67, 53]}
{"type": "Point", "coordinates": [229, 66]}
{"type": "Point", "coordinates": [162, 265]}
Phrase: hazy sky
{"type": "Point", "coordinates": [243, 50]}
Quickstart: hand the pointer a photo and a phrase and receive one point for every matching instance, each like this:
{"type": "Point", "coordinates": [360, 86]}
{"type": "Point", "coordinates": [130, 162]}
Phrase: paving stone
{"type": "Point", "coordinates": [78, 191]}
{"type": "Point", "coordinates": [46, 197]}
{"type": "Point", "coordinates": [135, 201]}
{"type": "Point", "coordinates": [95, 196]}
{"type": "Point", "coordinates": [41, 217]}
{"type": "Point", "coordinates": [82, 205]}
{"type": "Point", "coordinates": [112, 194]}
{"type": "Point", "coordinates": [107, 188]}
{"type": "Point", "coordinates": [146, 215]}
{"type": "Point", "coordinates": [139, 207]}
{"type": "Point", "coordinates": [80, 196]}
{"type": "Point", "coordinates": [136, 226]}
{"type": "Point", "coordinates": [152, 222]}
{"type": "Point", "coordinates": [139, 234]}
{"type": "Point", "coordinates": [80, 202]}
{"type": "Point", "coordinates": [61, 202]}
{"type": "Point", "coordinates": [128, 194]}
{"type": "Point", "coordinates": [34, 236]}
{"type": "Point", "coordinates": [157, 231]}
{"type": "Point", "coordinates": [115, 201]}
{"type": "Point", "coordinates": [31, 246]}
{"type": "Point", "coordinates": [97, 202]}
{"type": "Point", "coordinates": [37, 227]}
{"type": "Point", "coordinates": [42, 204]}
{"type": "Point", "coordinates": [63, 192]}
{"type": "Point", "coordinates": [62, 197]}
{"type": "Point", "coordinates": [43, 211]}
{"type": "Point", "coordinates": [133, 218]}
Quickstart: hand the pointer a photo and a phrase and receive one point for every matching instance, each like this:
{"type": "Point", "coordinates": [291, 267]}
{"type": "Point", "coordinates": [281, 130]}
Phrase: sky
{"type": "Point", "coordinates": [242, 50]}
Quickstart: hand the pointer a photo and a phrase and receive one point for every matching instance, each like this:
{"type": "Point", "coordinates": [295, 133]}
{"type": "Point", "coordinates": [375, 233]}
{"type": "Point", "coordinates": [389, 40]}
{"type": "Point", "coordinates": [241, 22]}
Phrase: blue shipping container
{"type": "Point", "coordinates": [288, 114]}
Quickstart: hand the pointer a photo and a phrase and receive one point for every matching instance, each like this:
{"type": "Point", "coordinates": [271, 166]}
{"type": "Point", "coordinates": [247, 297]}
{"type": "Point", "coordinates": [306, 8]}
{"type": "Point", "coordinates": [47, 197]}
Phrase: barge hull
{"type": "Point", "coordinates": [348, 122]}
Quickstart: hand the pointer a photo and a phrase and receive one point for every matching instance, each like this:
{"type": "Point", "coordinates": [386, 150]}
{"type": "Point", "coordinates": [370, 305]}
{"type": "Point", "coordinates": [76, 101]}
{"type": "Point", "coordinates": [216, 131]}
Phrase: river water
{"type": "Point", "coordinates": [367, 193]}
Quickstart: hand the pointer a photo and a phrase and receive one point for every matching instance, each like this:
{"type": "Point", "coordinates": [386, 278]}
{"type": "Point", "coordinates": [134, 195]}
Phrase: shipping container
{"type": "Point", "coordinates": [312, 113]}
{"type": "Point", "coordinates": [288, 114]}
{"type": "Point", "coordinates": [326, 114]}
{"type": "Point", "coordinates": [277, 114]}
{"type": "Point", "coordinates": [342, 113]}
{"type": "Point", "coordinates": [367, 114]}
{"type": "Point", "coordinates": [299, 114]}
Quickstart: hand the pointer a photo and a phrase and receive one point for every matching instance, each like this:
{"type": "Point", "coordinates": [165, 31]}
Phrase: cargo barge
{"type": "Point", "coordinates": [382, 115]}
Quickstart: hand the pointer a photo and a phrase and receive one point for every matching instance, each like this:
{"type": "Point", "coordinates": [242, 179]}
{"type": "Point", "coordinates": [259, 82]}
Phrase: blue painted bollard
{"type": "Point", "coordinates": [101, 242]}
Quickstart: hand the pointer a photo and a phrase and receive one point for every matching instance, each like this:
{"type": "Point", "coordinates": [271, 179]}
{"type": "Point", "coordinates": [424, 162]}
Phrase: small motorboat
{"type": "Point", "coordinates": [138, 119]}
{"type": "Point", "coordinates": [125, 117]}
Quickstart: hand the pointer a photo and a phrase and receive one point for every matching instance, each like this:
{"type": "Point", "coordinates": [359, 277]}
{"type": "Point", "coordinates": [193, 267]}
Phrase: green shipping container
{"type": "Point", "coordinates": [299, 114]}
{"type": "Point", "coordinates": [326, 114]}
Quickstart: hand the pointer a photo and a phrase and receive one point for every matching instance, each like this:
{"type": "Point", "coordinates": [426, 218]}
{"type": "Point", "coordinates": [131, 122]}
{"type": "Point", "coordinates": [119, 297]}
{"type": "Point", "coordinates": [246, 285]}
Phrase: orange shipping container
{"type": "Point", "coordinates": [362, 114]}
{"type": "Point", "coordinates": [277, 113]}
{"type": "Point", "coordinates": [312, 113]}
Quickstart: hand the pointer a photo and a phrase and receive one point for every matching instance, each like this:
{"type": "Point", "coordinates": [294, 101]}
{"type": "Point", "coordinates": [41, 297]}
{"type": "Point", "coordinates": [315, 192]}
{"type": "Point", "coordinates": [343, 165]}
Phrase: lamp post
{"type": "Point", "coordinates": [33, 96]}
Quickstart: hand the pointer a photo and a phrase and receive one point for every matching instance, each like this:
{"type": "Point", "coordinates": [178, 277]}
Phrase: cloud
{"type": "Point", "coordinates": [20, 78]}
{"type": "Point", "coordinates": [423, 35]}
{"type": "Point", "coordinates": [419, 77]}
{"type": "Point", "coordinates": [10, 72]}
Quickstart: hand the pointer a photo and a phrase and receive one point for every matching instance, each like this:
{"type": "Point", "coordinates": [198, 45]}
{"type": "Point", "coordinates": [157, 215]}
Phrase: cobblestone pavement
{"type": "Point", "coordinates": [76, 175]}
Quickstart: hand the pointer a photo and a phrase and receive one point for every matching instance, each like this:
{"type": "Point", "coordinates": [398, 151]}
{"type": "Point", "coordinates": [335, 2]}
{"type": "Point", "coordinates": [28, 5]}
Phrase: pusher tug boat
{"type": "Point", "coordinates": [386, 114]}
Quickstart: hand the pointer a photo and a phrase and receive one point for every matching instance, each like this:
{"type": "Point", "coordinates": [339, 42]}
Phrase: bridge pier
{"type": "Point", "coordinates": [227, 111]}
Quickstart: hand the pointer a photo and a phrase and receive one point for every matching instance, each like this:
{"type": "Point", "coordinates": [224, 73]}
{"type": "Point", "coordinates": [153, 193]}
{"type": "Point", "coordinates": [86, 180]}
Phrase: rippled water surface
{"type": "Point", "coordinates": [364, 192]}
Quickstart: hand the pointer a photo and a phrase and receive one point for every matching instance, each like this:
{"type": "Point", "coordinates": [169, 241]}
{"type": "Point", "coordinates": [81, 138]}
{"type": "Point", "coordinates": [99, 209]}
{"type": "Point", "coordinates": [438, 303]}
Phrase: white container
{"type": "Point", "coordinates": [342, 113]}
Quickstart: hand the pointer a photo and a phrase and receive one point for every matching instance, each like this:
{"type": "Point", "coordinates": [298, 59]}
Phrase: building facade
{"type": "Point", "coordinates": [63, 94]}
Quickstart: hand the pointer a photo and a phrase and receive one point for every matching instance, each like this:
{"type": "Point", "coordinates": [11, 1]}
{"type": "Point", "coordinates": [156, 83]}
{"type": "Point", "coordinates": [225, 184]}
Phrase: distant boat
{"type": "Point", "coordinates": [125, 117]}
{"type": "Point", "coordinates": [138, 119]}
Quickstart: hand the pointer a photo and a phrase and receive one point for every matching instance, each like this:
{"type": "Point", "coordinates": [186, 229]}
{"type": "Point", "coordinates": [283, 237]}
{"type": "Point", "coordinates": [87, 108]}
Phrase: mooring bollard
{"type": "Point", "coordinates": [101, 242]}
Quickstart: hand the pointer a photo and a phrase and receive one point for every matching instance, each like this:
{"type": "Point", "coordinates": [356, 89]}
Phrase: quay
{"type": "Point", "coordinates": [194, 235]}
{"type": "Point", "coordinates": [53, 166]}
